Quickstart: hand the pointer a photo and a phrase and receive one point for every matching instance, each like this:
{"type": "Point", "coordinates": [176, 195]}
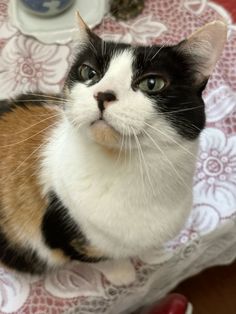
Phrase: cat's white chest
{"type": "Point", "coordinates": [112, 219]}
{"type": "Point", "coordinates": [118, 219]}
{"type": "Point", "coordinates": [119, 212]}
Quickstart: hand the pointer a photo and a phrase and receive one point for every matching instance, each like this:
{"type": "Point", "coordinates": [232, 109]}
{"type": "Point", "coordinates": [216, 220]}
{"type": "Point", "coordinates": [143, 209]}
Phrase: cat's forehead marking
{"type": "Point", "coordinates": [119, 72]}
{"type": "Point", "coordinates": [121, 59]}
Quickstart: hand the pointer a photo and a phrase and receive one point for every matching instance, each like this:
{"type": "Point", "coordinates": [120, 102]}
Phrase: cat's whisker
{"type": "Point", "coordinates": [30, 137]}
{"type": "Point", "coordinates": [93, 48]}
{"type": "Point", "coordinates": [22, 163]}
{"type": "Point", "coordinates": [177, 96]}
{"type": "Point", "coordinates": [171, 139]}
{"type": "Point", "coordinates": [127, 144]}
{"type": "Point", "coordinates": [146, 58]}
{"type": "Point", "coordinates": [124, 131]}
{"type": "Point", "coordinates": [45, 97]}
{"type": "Point", "coordinates": [154, 114]}
{"type": "Point", "coordinates": [36, 100]}
{"type": "Point", "coordinates": [162, 46]}
{"type": "Point", "coordinates": [130, 147]}
{"type": "Point", "coordinates": [195, 127]}
{"type": "Point", "coordinates": [75, 123]}
{"type": "Point", "coordinates": [41, 121]}
{"type": "Point", "coordinates": [141, 168]}
{"type": "Point", "coordinates": [144, 161]}
{"type": "Point", "coordinates": [181, 180]}
{"type": "Point", "coordinates": [121, 147]}
{"type": "Point", "coordinates": [38, 115]}
{"type": "Point", "coordinates": [140, 161]}
{"type": "Point", "coordinates": [190, 125]}
{"type": "Point", "coordinates": [185, 109]}
{"type": "Point", "coordinates": [56, 101]}
{"type": "Point", "coordinates": [186, 103]}
{"type": "Point", "coordinates": [35, 161]}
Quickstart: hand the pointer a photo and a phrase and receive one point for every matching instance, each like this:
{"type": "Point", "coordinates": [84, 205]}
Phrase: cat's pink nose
{"type": "Point", "coordinates": [104, 99]}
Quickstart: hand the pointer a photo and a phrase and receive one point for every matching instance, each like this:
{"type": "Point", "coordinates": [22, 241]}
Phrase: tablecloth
{"type": "Point", "coordinates": [209, 236]}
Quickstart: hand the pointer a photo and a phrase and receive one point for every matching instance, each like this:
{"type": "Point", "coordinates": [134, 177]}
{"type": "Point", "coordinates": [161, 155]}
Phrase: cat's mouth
{"type": "Point", "coordinates": [102, 122]}
{"type": "Point", "coordinates": [95, 121]}
{"type": "Point", "coordinates": [103, 133]}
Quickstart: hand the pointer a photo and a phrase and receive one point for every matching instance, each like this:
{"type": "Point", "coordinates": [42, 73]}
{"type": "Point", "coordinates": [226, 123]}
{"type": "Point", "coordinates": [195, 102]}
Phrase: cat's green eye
{"type": "Point", "coordinates": [151, 84]}
{"type": "Point", "coordinates": [87, 73]}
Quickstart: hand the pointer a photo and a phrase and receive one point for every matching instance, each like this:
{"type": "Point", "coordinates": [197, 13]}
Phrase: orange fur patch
{"type": "Point", "coordinates": [86, 249]}
{"type": "Point", "coordinates": [22, 135]}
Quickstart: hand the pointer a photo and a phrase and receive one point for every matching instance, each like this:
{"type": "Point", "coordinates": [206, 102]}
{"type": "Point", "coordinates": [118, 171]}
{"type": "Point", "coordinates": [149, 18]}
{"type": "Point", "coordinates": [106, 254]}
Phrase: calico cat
{"type": "Point", "coordinates": [105, 169]}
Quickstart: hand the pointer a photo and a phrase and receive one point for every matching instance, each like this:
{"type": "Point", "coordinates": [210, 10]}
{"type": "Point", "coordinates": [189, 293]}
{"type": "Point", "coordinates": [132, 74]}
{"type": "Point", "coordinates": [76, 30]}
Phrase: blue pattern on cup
{"type": "Point", "coordinates": [47, 7]}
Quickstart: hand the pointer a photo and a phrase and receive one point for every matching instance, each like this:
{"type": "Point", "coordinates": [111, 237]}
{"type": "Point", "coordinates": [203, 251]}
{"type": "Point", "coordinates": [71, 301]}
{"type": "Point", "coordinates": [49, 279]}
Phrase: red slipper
{"type": "Point", "coordinates": [172, 304]}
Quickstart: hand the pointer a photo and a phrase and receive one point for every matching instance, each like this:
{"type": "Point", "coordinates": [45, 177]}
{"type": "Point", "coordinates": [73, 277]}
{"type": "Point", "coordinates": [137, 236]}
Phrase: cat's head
{"type": "Point", "coordinates": [119, 93]}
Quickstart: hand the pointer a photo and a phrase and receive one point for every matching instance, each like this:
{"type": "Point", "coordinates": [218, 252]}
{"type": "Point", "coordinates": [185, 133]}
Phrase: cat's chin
{"type": "Point", "coordinates": [104, 134]}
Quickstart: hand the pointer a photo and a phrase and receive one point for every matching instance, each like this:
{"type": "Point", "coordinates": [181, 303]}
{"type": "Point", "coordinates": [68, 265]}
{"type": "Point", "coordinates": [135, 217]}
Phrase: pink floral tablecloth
{"type": "Point", "coordinates": [209, 235]}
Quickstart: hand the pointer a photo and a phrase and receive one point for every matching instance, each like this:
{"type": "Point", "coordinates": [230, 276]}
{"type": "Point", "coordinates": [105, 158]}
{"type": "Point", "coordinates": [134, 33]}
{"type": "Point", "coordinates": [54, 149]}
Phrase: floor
{"type": "Point", "coordinates": [213, 291]}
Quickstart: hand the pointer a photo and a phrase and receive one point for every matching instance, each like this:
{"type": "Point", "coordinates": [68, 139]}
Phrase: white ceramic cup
{"type": "Point", "coordinates": [46, 8]}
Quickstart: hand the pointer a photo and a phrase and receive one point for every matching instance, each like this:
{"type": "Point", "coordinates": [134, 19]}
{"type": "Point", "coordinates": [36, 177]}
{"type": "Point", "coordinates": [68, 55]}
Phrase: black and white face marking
{"type": "Point", "coordinates": [129, 90]}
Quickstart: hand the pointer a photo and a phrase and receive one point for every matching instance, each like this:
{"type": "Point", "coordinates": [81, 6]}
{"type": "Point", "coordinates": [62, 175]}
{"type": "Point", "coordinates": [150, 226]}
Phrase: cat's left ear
{"type": "Point", "coordinates": [204, 48]}
{"type": "Point", "coordinates": [83, 34]}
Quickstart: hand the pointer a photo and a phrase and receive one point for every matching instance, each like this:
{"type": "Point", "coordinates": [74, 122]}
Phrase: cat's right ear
{"type": "Point", "coordinates": [82, 33]}
{"type": "Point", "coordinates": [82, 30]}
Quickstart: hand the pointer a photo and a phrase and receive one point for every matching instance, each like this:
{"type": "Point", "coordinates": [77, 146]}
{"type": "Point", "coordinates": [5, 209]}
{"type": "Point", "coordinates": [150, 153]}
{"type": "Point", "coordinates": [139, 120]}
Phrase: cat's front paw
{"type": "Point", "coordinates": [117, 272]}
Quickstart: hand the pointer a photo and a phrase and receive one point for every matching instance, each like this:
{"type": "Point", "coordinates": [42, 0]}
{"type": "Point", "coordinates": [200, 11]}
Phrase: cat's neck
{"type": "Point", "coordinates": [70, 154]}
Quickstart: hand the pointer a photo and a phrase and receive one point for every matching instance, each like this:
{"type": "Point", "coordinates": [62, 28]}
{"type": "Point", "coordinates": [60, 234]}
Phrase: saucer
{"type": "Point", "coordinates": [58, 29]}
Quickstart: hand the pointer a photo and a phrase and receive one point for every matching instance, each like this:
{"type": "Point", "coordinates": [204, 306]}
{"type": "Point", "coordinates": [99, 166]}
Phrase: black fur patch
{"type": "Point", "coordinates": [61, 232]}
{"type": "Point", "coordinates": [181, 101]}
{"type": "Point", "coordinates": [4, 107]}
{"type": "Point", "coordinates": [25, 101]}
{"type": "Point", "coordinates": [97, 54]}
{"type": "Point", "coordinates": [19, 258]}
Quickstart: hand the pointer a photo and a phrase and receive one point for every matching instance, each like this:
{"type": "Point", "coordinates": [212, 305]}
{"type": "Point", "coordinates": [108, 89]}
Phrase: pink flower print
{"type": "Point", "coordinates": [3, 10]}
{"type": "Point", "coordinates": [2, 43]}
{"type": "Point", "coordinates": [215, 181]}
{"type": "Point", "coordinates": [195, 6]}
{"type": "Point", "coordinates": [74, 280]}
{"type": "Point", "coordinates": [204, 218]}
{"type": "Point", "coordinates": [228, 125]}
{"type": "Point", "coordinates": [7, 30]}
{"type": "Point", "coordinates": [14, 290]}
{"type": "Point", "coordinates": [27, 65]}
{"type": "Point", "coordinates": [140, 30]}
{"type": "Point", "coordinates": [42, 302]}
{"type": "Point", "coordinates": [219, 102]}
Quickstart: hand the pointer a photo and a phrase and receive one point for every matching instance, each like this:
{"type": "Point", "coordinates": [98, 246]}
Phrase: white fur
{"type": "Point", "coordinates": [124, 207]}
